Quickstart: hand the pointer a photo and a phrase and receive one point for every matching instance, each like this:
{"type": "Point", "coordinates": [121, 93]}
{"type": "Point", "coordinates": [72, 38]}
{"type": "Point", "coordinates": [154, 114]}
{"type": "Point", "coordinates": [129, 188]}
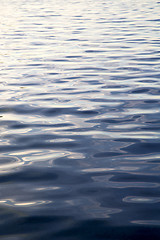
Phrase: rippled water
{"type": "Point", "coordinates": [80, 120]}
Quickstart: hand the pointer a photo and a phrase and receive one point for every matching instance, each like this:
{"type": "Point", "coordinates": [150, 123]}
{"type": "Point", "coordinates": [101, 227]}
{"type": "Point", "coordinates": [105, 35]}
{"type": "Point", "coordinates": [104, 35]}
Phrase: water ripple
{"type": "Point", "coordinates": [80, 120]}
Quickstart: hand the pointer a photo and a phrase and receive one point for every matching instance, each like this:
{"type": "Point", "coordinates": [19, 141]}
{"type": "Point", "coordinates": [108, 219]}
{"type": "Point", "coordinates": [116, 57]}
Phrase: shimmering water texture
{"type": "Point", "coordinates": [80, 120]}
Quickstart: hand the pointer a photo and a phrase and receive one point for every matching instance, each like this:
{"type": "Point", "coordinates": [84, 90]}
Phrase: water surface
{"type": "Point", "coordinates": [80, 120]}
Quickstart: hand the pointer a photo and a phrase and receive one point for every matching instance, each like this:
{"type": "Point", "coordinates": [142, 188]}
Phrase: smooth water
{"type": "Point", "coordinates": [80, 120]}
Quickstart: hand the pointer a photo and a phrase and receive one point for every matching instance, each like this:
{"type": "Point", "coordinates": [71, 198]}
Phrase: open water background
{"type": "Point", "coordinates": [80, 120]}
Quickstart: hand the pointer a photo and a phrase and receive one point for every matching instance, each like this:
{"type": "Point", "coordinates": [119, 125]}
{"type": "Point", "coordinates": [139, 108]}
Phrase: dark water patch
{"type": "Point", "coordinates": [74, 39]}
{"type": "Point", "coordinates": [94, 51]}
{"type": "Point", "coordinates": [101, 231]}
{"type": "Point", "coordinates": [72, 78]}
{"type": "Point", "coordinates": [115, 86]}
{"type": "Point", "coordinates": [24, 84]}
{"type": "Point", "coordinates": [145, 90]}
{"type": "Point", "coordinates": [101, 100]}
{"type": "Point", "coordinates": [68, 89]}
{"type": "Point", "coordinates": [113, 121]}
{"type": "Point", "coordinates": [28, 226]}
{"type": "Point", "coordinates": [107, 154]}
{"type": "Point", "coordinates": [52, 73]}
{"type": "Point", "coordinates": [134, 178]}
{"type": "Point", "coordinates": [73, 56]}
{"type": "Point", "coordinates": [151, 101]}
{"type": "Point", "coordinates": [94, 82]}
{"type": "Point", "coordinates": [55, 111]}
{"type": "Point", "coordinates": [60, 60]}
{"type": "Point", "coordinates": [87, 112]}
{"type": "Point", "coordinates": [154, 121]}
{"type": "Point", "coordinates": [155, 20]}
{"type": "Point", "coordinates": [29, 175]}
{"type": "Point", "coordinates": [127, 140]}
{"type": "Point", "coordinates": [90, 69]}
{"type": "Point", "coordinates": [43, 176]}
{"type": "Point", "coordinates": [143, 148]}
{"type": "Point", "coordinates": [83, 92]}
{"type": "Point", "coordinates": [148, 81]}
{"type": "Point", "coordinates": [60, 81]}
{"type": "Point", "coordinates": [152, 59]}
{"type": "Point", "coordinates": [35, 65]}
{"type": "Point", "coordinates": [151, 128]}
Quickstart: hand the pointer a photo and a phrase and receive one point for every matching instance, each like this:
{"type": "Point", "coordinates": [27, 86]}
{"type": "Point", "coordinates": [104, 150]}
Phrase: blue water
{"type": "Point", "coordinates": [80, 120]}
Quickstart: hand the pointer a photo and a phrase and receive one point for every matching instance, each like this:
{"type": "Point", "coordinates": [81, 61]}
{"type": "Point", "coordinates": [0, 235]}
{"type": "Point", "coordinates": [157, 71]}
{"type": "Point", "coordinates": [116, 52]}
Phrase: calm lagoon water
{"type": "Point", "coordinates": [80, 120]}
